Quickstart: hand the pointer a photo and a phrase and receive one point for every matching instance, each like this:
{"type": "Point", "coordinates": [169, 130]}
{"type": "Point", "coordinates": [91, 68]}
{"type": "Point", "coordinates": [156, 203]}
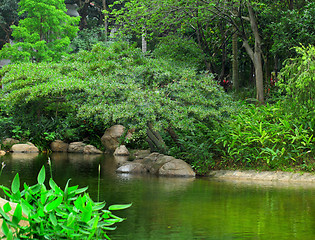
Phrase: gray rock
{"type": "Point", "coordinates": [59, 146]}
{"type": "Point", "coordinates": [132, 167]}
{"type": "Point", "coordinates": [110, 139]}
{"type": "Point", "coordinates": [76, 147]}
{"type": "Point", "coordinates": [90, 149]}
{"type": "Point", "coordinates": [24, 148]}
{"type": "Point", "coordinates": [176, 167]}
{"type": "Point", "coordinates": [121, 151]}
{"type": "Point", "coordinates": [9, 141]}
{"type": "Point", "coordinates": [158, 164]}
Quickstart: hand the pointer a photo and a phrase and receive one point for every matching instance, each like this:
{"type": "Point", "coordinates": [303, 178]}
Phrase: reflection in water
{"type": "Point", "coordinates": [181, 208]}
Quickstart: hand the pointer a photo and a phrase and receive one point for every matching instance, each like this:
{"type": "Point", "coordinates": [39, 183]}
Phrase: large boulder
{"type": "Point", "coordinates": [176, 167]}
{"type": "Point", "coordinates": [9, 142]}
{"type": "Point", "coordinates": [158, 164]}
{"type": "Point", "coordinates": [81, 147]}
{"type": "Point", "coordinates": [76, 147]}
{"type": "Point", "coordinates": [24, 148]}
{"type": "Point", "coordinates": [121, 151]}
{"type": "Point", "coordinates": [132, 167]}
{"type": "Point", "coordinates": [59, 146]}
{"type": "Point", "coordinates": [110, 139]}
{"type": "Point", "coordinates": [90, 149]}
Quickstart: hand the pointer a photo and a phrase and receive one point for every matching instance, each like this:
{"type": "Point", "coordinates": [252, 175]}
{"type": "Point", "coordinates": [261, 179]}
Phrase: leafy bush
{"type": "Point", "coordinates": [35, 41]}
{"type": "Point", "coordinates": [266, 137]}
{"type": "Point", "coordinates": [55, 213]}
{"type": "Point", "coordinates": [182, 50]}
{"type": "Point", "coordinates": [86, 38]}
{"type": "Point", "coordinates": [297, 78]}
{"type": "Point", "coordinates": [109, 85]}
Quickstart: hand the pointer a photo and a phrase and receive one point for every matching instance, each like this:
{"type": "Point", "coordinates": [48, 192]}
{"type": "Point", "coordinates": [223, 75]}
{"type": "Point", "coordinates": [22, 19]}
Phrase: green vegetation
{"type": "Point", "coordinates": [189, 49]}
{"type": "Point", "coordinates": [55, 213]}
{"type": "Point", "coordinates": [44, 34]}
{"type": "Point", "coordinates": [90, 91]}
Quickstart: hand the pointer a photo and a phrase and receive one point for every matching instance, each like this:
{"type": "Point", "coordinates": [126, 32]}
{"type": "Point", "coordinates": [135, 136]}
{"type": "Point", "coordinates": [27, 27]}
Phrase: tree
{"type": "Point", "coordinates": [8, 17]}
{"type": "Point", "coordinates": [201, 16]}
{"type": "Point", "coordinates": [44, 34]}
{"type": "Point", "coordinates": [110, 85]}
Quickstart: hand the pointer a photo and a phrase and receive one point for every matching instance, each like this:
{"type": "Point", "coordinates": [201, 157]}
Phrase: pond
{"type": "Point", "coordinates": [181, 208]}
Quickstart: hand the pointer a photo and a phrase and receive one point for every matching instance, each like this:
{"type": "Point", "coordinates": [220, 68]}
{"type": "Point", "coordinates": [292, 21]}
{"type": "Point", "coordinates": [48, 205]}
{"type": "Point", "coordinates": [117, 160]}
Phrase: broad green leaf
{"type": "Point", "coordinates": [70, 219]}
{"type": "Point", "coordinates": [4, 215]}
{"type": "Point", "coordinates": [94, 227]}
{"type": "Point", "coordinates": [78, 203]}
{"type": "Point", "coordinates": [53, 219]}
{"type": "Point", "coordinates": [7, 207]}
{"type": "Point", "coordinates": [17, 216]}
{"type": "Point", "coordinates": [87, 213]}
{"type": "Point", "coordinates": [98, 206]}
{"type": "Point", "coordinates": [15, 187]}
{"type": "Point", "coordinates": [41, 176]}
{"type": "Point", "coordinates": [81, 190]}
{"type": "Point", "coordinates": [5, 228]}
{"type": "Point", "coordinates": [54, 204]}
{"type": "Point", "coordinates": [26, 207]}
{"type": "Point", "coordinates": [119, 207]}
{"type": "Point", "coordinates": [54, 186]}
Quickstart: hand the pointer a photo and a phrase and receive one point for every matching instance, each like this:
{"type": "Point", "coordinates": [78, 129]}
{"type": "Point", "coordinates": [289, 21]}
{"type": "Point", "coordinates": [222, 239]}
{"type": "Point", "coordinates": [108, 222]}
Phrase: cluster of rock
{"type": "Point", "coordinates": [74, 147]}
{"type": "Point", "coordinates": [157, 164]}
{"type": "Point", "coordinates": [110, 140]}
{"type": "Point", "coordinates": [145, 161]}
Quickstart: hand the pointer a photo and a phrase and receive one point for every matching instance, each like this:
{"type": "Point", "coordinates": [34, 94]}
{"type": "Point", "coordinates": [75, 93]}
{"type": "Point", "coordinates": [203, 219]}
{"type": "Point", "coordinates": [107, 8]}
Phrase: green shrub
{"type": "Point", "coordinates": [86, 38]}
{"type": "Point", "coordinates": [109, 85]}
{"type": "Point", "coordinates": [266, 137]}
{"type": "Point", "coordinates": [297, 78]}
{"type": "Point", "coordinates": [53, 213]}
{"type": "Point", "coordinates": [181, 50]}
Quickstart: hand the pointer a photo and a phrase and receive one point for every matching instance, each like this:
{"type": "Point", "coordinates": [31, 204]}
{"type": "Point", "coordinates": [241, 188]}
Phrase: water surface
{"type": "Point", "coordinates": [181, 208]}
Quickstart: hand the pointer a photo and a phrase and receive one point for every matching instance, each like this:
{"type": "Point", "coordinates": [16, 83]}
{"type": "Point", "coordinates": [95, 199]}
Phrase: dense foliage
{"type": "Point", "coordinates": [172, 86]}
{"type": "Point", "coordinates": [111, 84]}
{"type": "Point", "coordinates": [279, 135]}
{"type": "Point", "coordinates": [53, 213]}
{"type": "Point", "coordinates": [44, 33]}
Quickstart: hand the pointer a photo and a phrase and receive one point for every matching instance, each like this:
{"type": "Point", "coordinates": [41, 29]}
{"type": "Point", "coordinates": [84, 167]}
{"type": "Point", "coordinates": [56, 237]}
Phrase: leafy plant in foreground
{"type": "Point", "coordinates": [55, 213]}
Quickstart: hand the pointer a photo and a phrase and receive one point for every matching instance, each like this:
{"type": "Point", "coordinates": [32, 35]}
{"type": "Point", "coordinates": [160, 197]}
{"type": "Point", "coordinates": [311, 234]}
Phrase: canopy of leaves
{"type": "Point", "coordinates": [298, 76]}
{"type": "Point", "coordinates": [293, 27]}
{"type": "Point", "coordinates": [116, 84]}
{"type": "Point", "coordinates": [44, 34]}
{"type": "Point", "coordinates": [8, 17]}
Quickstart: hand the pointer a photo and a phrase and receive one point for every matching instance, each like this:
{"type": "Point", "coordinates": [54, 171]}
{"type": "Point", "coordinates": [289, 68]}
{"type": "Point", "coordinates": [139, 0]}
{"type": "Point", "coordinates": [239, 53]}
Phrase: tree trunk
{"type": "Point", "coordinates": [255, 55]}
{"type": "Point", "coordinates": [143, 40]}
{"type": "Point", "coordinates": [155, 140]}
{"type": "Point", "coordinates": [235, 79]}
{"type": "Point", "coordinates": [105, 19]}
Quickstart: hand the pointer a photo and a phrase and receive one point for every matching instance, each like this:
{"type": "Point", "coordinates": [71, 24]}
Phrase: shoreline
{"type": "Point", "coordinates": [254, 175]}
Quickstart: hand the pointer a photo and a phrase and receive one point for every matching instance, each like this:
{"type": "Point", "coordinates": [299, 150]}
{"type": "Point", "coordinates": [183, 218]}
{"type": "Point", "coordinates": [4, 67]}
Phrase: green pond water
{"type": "Point", "coordinates": [181, 208]}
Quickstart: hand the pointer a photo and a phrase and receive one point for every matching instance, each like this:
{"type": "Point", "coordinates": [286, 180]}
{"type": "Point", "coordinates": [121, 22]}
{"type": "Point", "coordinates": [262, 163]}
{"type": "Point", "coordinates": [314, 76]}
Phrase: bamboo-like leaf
{"type": "Point", "coordinates": [5, 228]}
{"type": "Point", "coordinates": [7, 207]}
{"type": "Point", "coordinates": [87, 213]}
{"type": "Point", "coordinates": [15, 187]}
{"type": "Point", "coordinates": [17, 216]}
{"type": "Point", "coordinates": [53, 219]}
{"type": "Point", "coordinates": [54, 204]}
{"type": "Point", "coordinates": [41, 176]}
{"type": "Point", "coordinates": [119, 207]}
